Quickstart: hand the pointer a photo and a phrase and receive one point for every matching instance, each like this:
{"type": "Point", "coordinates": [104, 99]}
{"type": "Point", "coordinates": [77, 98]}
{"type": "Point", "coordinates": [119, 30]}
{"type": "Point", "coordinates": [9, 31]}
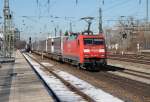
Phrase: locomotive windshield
{"type": "Point", "coordinates": [93, 41]}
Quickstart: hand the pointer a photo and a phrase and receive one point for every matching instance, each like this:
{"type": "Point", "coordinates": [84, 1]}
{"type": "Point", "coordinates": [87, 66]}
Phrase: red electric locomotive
{"type": "Point", "coordinates": [86, 51]}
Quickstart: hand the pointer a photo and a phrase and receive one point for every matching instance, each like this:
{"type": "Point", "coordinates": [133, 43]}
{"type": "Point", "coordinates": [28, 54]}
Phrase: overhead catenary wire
{"type": "Point", "coordinates": [120, 4]}
{"type": "Point", "coordinates": [50, 3]}
{"type": "Point", "coordinates": [124, 4]}
{"type": "Point", "coordinates": [114, 4]}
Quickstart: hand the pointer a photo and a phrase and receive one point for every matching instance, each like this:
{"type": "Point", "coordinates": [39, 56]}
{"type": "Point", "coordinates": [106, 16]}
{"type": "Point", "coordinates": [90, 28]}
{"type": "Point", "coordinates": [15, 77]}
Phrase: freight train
{"type": "Point", "coordinates": [81, 49]}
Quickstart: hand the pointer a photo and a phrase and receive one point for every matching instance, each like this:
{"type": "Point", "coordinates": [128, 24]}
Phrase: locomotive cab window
{"type": "Point", "coordinates": [93, 41]}
{"type": "Point", "coordinates": [87, 41]}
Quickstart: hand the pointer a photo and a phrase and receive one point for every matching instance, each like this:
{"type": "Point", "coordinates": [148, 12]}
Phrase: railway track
{"type": "Point", "coordinates": [129, 71]}
{"type": "Point", "coordinates": [140, 73]}
{"type": "Point", "coordinates": [139, 76]}
{"type": "Point", "coordinates": [123, 84]}
{"type": "Point", "coordinates": [84, 96]}
{"type": "Point", "coordinates": [132, 74]}
{"type": "Point", "coordinates": [137, 73]}
{"type": "Point", "coordinates": [142, 59]}
{"type": "Point", "coordinates": [76, 88]}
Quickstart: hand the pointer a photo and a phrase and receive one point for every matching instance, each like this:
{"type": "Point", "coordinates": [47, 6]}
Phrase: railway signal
{"type": "Point", "coordinates": [124, 35]}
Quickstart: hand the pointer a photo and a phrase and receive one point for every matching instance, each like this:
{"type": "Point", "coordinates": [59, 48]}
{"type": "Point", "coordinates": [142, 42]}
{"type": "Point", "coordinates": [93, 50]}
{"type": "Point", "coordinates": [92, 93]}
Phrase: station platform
{"type": "Point", "coordinates": [19, 83]}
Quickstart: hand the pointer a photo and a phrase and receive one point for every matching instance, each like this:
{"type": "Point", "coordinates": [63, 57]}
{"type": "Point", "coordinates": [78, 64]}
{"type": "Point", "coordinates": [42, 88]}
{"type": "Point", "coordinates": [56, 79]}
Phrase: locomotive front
{"type": "Point", "coordinates": [93, 51]}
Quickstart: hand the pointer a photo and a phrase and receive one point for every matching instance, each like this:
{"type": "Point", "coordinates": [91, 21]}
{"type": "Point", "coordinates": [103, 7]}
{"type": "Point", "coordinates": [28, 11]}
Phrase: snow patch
{"type": "Point", "coordinates": [63, 93]}
{"type": "Point", "coordinates": [95, 93]}
{"type": "Point", "coordinates": [47, 64]}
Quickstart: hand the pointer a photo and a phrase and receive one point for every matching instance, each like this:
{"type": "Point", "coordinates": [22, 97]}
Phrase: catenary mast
{"type": "Point", "coordinates": [8, 31]}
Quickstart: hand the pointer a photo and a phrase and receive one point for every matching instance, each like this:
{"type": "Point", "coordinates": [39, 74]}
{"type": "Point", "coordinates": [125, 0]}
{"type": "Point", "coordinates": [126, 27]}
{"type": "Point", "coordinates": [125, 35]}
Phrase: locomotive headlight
{"type": "Point", "coordinates": [101, 50]}
{"type": "Point", "coordinates": [86, 50]}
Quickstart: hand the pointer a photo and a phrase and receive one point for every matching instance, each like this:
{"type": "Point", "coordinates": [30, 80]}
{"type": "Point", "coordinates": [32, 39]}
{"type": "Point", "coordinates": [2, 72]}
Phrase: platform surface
{"type": "Point", "coordinates": [19, 83]}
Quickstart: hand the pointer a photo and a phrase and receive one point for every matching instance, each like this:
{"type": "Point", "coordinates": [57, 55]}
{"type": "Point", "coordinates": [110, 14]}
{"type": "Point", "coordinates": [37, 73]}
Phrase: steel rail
{"type": "Point", "coordinates": [69, 85]}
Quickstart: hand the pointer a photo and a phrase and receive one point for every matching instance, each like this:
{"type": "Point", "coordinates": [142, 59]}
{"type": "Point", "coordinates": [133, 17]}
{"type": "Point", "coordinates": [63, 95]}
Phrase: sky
{"type": "Point", "coordinates": [38, 18]}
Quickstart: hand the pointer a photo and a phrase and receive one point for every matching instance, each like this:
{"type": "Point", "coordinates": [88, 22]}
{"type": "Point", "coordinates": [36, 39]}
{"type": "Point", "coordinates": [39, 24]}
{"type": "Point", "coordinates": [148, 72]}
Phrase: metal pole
{"type": "Point", "coordinates": [147, 14]}
{"type": "Point", "coordinates": [8, 31]}
{"type": "Point", "coordinates": [6, 12]}
{"type": "Point", "coordinates": [100, 21]}
{"type": "Point", "coordinates": [70, 26]}
{"type": "Point", "coordinates": [55, 31]}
